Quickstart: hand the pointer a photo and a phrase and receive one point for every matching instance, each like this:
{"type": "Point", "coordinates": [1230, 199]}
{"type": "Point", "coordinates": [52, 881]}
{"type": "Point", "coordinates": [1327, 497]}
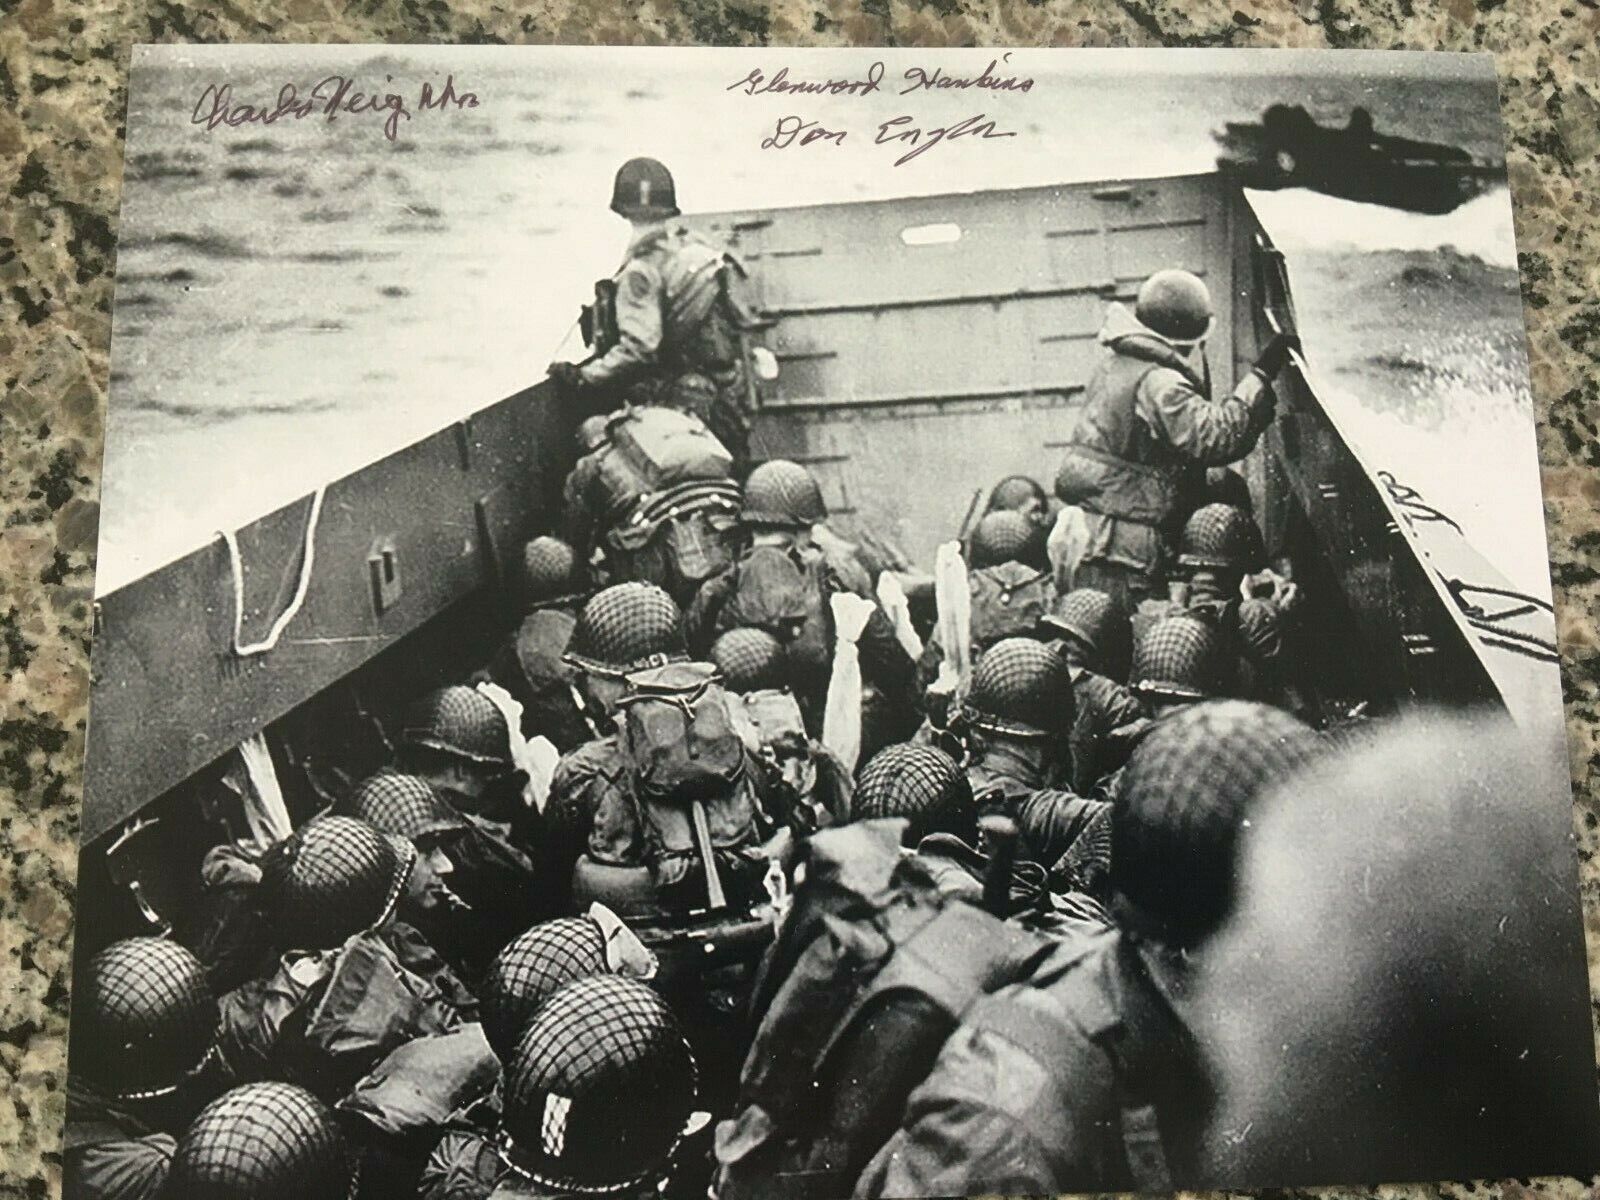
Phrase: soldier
{"type": "Point", "coordinates": [1021, 494]}
{"type": "Point", "coordinates": [1135, 464]}
{"type": "Point", "coordinates": [678, 322]}
{"type": "Point", "coordinates": [531, 969]}
{"type": "Point", "coordinates": [264, 1141]}
{"type": "Point", "coordinates": [458, 740]}
{"type": "Point", "coordinates": [340, 895]}
{"type": "Point", "coordinates": [598, 1095]}
{"type": "Point", "coordinates": [1177, 661]}
{"type": "Point", "coordinates": [528, 664]}
{"type": "Point", "coordinates": [1085, 627]}
{"type": "Point", "coordinates": [921, 784]}
{"type": "Point", "coordinates": [1087, 1077]}
{"type": "Point", "coordinates": [144, 1061]}
{"type": "Point", "coordinates": [782, 502]}
{"type": "Point", "coordinates": [812, 783]}
{"type": "Point", "coordinates": [1017, 719]}
{"type": "Point", "coordinates": [1009, 583]}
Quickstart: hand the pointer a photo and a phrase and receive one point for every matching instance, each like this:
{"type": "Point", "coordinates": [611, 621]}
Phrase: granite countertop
{"type": "Point", "coordinates": [63, 71]}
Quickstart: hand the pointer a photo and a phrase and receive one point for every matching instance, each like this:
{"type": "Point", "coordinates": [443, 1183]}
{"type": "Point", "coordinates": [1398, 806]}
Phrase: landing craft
{"type": "Point", "coordinates": [959, 358]}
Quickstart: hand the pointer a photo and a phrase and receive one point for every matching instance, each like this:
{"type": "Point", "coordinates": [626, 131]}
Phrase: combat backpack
{"type": "Point", "coordinates": [686, 764]}
{"type": "Point", "coordinates": [663, 447]}
{"type": "Point", "coordinates": [872, 969]}
{"type": "Point", "coordinates": [1008, 600]}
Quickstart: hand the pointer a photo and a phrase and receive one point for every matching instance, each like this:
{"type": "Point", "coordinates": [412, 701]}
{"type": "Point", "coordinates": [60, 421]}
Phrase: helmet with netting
{"type": "Point", "coordinates": [627, 627]}
{"type": "Point", "coordinates": [148, 1017]}
{"type": "Point", "coordinates": [1178, 658]}
{"type": "Point", "coordinates": [263, 1141]}
{"type": "Point", "coordinates": [333, 878]}
{"type": "Point", "coordinates": [1021, 688]}
{"type": "Point", "coordinates": [549, 572]}
{"type": "Point", "coordinates": [784, 495]}
{"type": "Point", "coordinates": [1181, 804]}
{"type": "Point", "coordinates": [921, 784]}
{"type": "Point", "coordinates": [597, 1094]}
{"type": "Point", "coordinates": [1006, 536]}
{"type": "Point", "coordinates": [749, 659]}
{"type": "Point", "coordinates": [1176, 304]}
{"type": "Point", "coordinates": [462, 722]}
{"type": "Point", "coordinates": [403, 805]}
{"type": "Point", "coordinates": [533, 967]}
{"type": "Point", "coordinates": [1090, 616]}
{"type": "Point", "coordinates": [1222, 537]}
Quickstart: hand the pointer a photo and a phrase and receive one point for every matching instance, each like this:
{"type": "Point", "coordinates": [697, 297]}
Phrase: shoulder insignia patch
{"type": "Point", "coordinates": [638, 285]}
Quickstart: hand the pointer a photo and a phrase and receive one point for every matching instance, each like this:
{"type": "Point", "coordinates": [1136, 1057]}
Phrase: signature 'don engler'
{"type": "Point", "coordinates": [328, 97]}
{"type": "Point", "coordinates": [899, 132]}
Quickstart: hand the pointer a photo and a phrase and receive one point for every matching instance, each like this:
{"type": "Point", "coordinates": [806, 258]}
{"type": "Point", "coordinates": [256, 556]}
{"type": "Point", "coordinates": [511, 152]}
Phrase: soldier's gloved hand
{"type": "Point", "coordinates": [1276, 354]}
{"type": "Point", "coordinates": [566, 375]}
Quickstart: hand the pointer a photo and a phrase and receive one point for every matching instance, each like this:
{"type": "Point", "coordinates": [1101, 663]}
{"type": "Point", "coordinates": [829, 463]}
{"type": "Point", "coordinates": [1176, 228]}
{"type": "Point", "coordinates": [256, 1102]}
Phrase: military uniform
{"type": "Point", "coordinates": [1137, 460]}
{"type": "Point", "coordinates": [677, 338]}
{"type": "Point", "coordinates": [1051, 819]}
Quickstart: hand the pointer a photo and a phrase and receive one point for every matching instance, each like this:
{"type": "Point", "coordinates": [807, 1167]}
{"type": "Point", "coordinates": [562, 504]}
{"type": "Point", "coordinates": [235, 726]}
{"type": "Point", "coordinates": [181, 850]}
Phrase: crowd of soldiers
{"type": "Point", "coordinates": [755, 861]}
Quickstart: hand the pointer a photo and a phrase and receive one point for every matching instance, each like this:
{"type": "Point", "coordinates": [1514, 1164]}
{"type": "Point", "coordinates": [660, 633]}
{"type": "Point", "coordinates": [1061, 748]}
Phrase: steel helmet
{"type": "Point", "coordinates": [462, 722]}
{"type": "Point", "coordinates": [1182, 801]}
{"type": "Point", "coordinates": [1176, 304]}
{"type": "Point", "coordinates": [532, 968]}
{"type": "Point", "coordinates": [1087, 614]}
{"type": "Point", "coordinates": [1178, 658]}
{"type": "Point", "coordinates": [627, 627]}
{"type": "Point", "coordinates": [1021, 688]}
{"type": "Point", "coordinates": [1006, 536]}
{"type": "Point", "coordinates": [1015, 492]}
{"type": "Point", "coordinates": [921, 784]}
{"type": "Point", "coordinates": [643, 189]}
{"type": "Point", "coordinates": [150, 1018]}
{"type": "Point", "coordinates": [599, 1090]}
{"type": "Point", "coordinates": [263, 1141]}
{"type": "Point", "coordinates": [784, 495]}
{"type": "Point", "coordinates": [403, 805]}
{"type": "Point", "coordinates": [333, 878]}
{"type": "Point", "coordinates": [549, 572]}
{"type": "Point", "coordinates": [750, 660]}
{"type": "Point", "coordinates": [1222, 537]}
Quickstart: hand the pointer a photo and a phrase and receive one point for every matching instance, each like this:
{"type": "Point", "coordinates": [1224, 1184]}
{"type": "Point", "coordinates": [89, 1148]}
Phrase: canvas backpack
{"type": "Point", "coordinates": [663, 447]}
{"type": "Point", "coordinates": [1008, 600]}
{"type": "Point", "coordinates": [687, 770]}
{"type": "Point", "coordinates": [872, 969]}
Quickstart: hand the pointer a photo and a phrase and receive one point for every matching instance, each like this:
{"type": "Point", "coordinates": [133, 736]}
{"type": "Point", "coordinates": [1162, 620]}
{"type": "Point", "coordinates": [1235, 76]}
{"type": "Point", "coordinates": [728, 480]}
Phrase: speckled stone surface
{"type": "Point", "coordinates": [63, 72]}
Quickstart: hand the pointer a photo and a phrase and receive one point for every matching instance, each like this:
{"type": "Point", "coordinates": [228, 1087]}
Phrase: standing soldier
{"type": "Point", "coordinates": [666, 328]}
{"type": "Point", "coordinates": [1149, 428]}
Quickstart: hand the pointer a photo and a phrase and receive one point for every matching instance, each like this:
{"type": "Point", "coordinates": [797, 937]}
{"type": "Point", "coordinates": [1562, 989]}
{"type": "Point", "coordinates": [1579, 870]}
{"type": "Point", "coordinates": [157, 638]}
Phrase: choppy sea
{"type": "Point", "coordinates": [294, 300]}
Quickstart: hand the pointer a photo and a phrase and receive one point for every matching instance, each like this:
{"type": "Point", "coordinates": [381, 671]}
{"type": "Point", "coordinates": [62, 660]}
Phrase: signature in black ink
{"type": "Point", "coordinates": [917, 79]}
{"type": "Point", "coordinates": [329, 97]}
{"type": "Point", "coordinates": [758, 84]}
{"type": "Point", "coordinates": [896, 131]}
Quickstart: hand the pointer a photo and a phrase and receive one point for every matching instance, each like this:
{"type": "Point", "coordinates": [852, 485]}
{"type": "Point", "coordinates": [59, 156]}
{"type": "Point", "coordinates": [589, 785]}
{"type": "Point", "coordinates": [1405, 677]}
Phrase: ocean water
{"type": "Point", "coordinates": [297, 299]}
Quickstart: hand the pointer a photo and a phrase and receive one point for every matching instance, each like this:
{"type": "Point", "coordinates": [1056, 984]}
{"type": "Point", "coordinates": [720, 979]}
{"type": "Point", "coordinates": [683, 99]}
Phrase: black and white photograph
{"type": "Point", "coordinates": [820, 623]}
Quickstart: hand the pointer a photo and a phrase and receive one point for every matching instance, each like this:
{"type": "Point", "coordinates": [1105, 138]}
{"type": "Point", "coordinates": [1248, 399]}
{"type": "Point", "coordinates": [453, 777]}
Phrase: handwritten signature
{"type": "Point", "coordinates": [329, 97]}
{"type": "Point", "coordinates": [916, 79]}
{"type": "Point", "coordinates": [896, 131]}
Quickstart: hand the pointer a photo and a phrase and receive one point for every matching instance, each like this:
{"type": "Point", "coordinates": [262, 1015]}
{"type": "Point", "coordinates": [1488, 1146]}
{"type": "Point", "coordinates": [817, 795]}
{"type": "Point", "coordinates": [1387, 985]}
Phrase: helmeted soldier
{"type": "Point", "coordinates": [1021, 494]}
{"type": "Point", "coordinates": [1086, 1077]}
{"type": "Point", "coordinates": [623, 628]}
{"type": "Point", "coordinates": [1017, 719]}
{"type": "Point", "coordinates": [811, 786]}
{"type": "Point", "coordinates": [340, 896]}
{"type": "Point", "coordinates": [551, 588]}
{"type": "Point", "coordinates": [1085, 627]}
{"type": "Point", "coordinates": [144, 1060]}
{"type": "Point", "coordinates": [598, 1095]}
{"type": "Point", "coordinates": [1219, 551]}
{"type": "Point", "coordinates": [782, 504]}
{"type": "Point", "coordinates": [1135, 464]}
{"type": "Point", "coordinates": [1009, 583]}
{"type": "Point", "coordinates": [264, 1141]}
{"type": "Point", "coordinates": [667, 328]}
{"type": "Point", "coordinates": [458, 740]}
{"type": "Point", "coordinates": [1176, 661]}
